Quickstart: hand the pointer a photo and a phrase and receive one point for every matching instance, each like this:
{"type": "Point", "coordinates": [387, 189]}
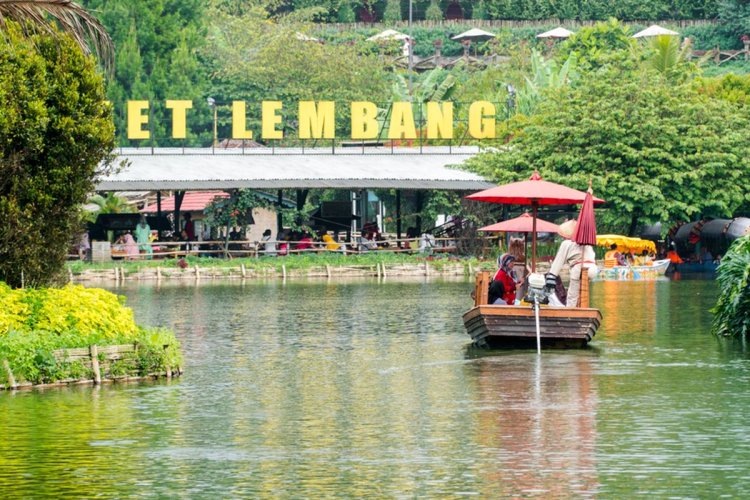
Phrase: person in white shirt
{"type": "Point", "coordinates": [269, 247]}
{"type": "Point", "coordinates": [576, 257]}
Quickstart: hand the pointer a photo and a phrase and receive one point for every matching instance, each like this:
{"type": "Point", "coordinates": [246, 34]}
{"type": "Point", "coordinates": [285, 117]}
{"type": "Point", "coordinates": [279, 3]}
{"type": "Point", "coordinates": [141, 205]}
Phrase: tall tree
{"type": "Point", "coordinates": [55, 132]}
{"type": "Point", "coordinates": [657, 151]}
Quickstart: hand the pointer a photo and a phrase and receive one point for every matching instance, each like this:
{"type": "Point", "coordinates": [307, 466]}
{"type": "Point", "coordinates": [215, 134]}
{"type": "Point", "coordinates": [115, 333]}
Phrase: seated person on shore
{"type": "Point", "coordinates": [305, 242]}
{"type": "Point", "coordinates": [613, 257]}
{"type": "Point", "coordinates": [411, 234]}
{"type": "Point", "coordinates": [365, 242]}
{"type": "Point", "coordinates": [284, 242]}
{"type": "Point", "coordinates": [267, 246]}
{"type": "Point", "coordinates": [426, 243]}
{"type": "Point", "coordinates": [576, 257]}
{"type": "Point", "coordinates": [129, 245]}
{"type": "Point", "coordinates": [330, 243]}
{"type": "Point", "coordinates": [507, 277]}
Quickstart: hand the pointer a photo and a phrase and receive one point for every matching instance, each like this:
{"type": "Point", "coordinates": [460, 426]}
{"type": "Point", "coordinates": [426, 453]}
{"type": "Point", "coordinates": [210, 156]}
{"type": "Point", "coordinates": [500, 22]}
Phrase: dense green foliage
{"type": "Point", "coordinates": [36, 322]}
{"type": "Point", "coordinates": [55, 130]}
{"type": "Point", "coordinates": [732, 311]}
{"type": "Point", "coordinates": [653, 148]}
{"type": "Point", "coordinates": [157, 43]}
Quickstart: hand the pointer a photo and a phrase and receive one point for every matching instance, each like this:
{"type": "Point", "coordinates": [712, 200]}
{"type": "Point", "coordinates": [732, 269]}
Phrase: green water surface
{"type": "Point", "coordinates": [369, 389]}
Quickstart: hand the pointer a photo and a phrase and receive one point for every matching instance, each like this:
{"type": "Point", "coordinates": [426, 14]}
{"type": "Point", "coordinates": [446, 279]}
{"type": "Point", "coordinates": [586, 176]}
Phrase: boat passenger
{"type": "Point", "coordinates": [576, 257]}
{"type": "Point", "coordinates": [644, 259]}
{"type": "Point", "coordinates": [673, 257]}
{"type": "Point", "coordinates": [507, 276]}
{"type": "Point", "coordinates": [614, 257]}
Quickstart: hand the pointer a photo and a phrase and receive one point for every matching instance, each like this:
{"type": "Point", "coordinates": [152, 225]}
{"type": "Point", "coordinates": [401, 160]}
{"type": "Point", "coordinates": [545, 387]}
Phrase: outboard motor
{"type": "Point", "coordinates": [537, 291]}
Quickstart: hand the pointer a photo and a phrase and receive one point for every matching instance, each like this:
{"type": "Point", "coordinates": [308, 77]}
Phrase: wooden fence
{"type": "Point", "coordinates": [100, 361]}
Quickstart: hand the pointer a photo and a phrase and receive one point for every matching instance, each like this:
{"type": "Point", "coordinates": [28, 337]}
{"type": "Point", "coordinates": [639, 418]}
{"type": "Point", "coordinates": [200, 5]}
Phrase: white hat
{"type": "Point", "coordinates": [567, 229]}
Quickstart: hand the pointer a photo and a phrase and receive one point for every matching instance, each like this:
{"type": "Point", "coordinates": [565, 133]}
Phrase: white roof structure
{"type": "Point", "coordinates": [388, 35]}
{"type": "Point", "coordinates": [265, 168]}
{"type": "Point", "coordinates": [474, 34]}
{"type": "Point", "coordinates": [558, 32]}
{"type": "Point", "coordinates": [655, 30]}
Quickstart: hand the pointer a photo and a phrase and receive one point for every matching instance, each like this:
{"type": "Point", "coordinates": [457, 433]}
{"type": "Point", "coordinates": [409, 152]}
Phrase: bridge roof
{"type": "Point", "coordinates": [265, 168]}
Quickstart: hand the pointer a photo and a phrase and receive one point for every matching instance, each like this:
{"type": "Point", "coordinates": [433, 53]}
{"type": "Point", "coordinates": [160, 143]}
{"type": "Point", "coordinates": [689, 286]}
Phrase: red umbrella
{"type": "Point", "coordinates": [533, 192]}
{"type": "Point", "coordinates": [522, 224]}
{"type": "Point", "coordinates": [586, 227]}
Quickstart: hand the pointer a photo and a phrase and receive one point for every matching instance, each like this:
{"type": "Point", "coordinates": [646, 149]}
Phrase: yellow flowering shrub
{"type": "Point", "coordinates": [90, 312]}
{"type": "Point", "coordinates": [13, 310]}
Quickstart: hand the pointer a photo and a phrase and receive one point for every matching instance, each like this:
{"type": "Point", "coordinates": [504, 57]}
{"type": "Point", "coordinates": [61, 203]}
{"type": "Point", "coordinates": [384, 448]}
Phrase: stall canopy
{"type": "Point", "coordinates": [558, 32]}
{"type": "Point", "coordinates": [475, 35]}
{"type": "Point", "coordinates": [654, 30]}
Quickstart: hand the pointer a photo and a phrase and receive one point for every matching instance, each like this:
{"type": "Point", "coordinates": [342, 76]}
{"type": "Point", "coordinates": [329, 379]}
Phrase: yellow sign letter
{"type": "Point", "coordinates": [439, 120]}
{"type": "Point", "coordinates": [482, 120]}
{"type": "Point", "coordinates": [317, 122]}
{"type": "Point", "coordinates": [136, 120]}
{"type": "Point", "coordinates": [402, 122]}
{"type": "Point", "coordinates": [179, 110]}
{"type": "Point", "coordinates": [270, 119]}
{"type": "Point", "coordinates": [239, 117]}
{"type": "Point", "coordinates": [364, 120]}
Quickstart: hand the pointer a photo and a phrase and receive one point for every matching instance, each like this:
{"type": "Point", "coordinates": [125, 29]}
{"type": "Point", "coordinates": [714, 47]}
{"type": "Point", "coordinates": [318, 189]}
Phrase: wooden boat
{"type": "Point", "coordinates": [635, 273]}
{"type": "Point", "coordinates": [503, 326]}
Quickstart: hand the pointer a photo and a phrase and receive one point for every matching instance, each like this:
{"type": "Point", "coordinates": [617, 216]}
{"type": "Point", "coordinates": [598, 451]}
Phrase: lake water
{"type": "Point", "coordinates": [330, 389]}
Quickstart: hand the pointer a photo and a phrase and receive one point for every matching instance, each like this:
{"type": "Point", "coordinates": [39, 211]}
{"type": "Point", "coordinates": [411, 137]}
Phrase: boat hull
{"type": "Point", "coordinates": [510, 327]}
{"type": "Point", "coordinates": [635, 273]}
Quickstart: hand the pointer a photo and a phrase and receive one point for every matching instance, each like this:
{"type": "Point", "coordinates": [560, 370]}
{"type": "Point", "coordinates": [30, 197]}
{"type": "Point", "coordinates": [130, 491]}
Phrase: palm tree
{"type": "Point", "coordinates": [71, 18]}
{"type": "Point", "coordinates": [111, 204]}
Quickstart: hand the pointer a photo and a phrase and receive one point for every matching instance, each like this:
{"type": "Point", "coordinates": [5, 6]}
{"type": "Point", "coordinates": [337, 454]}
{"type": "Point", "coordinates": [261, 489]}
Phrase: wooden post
{"type": "Point", "coordinates": [481, 290]}
{"type": "Point", "coordinates": [158, 273]}
{"type": "Point", "coordinates": [117, 275]}
{"type": "Point", "coordinates": [11, 379]}
{"type": "Point", "coordinates": [70, 275]}
{"type": "Point", "coordinates": [243, 270]}
{"type": "Point", "coordinates": [197, 272]}
{"type": "Point", "coordinates": [583, 299]}
{"type": "Point", "coordinates": [377, 266]}
{"type": "Point", "coordinates": [328, 270]}
{"type": "Point", "coordinates": [283, 271]}
{"type": "Point", "coordinates": [471, 269]}
{"type": "Point", "coordinates": [382, 268]}
{"type": "Point", "coordinates": [94, 352]}
{"type": "Point", "coordinates": [122, 273]}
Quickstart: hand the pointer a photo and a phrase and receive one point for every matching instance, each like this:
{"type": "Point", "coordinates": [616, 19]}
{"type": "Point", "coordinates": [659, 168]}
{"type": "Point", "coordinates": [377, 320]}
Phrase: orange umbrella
{"type": "Point", "coordinates": [534, 192]}
{"type": "Point", "coordinates": [522, 224]}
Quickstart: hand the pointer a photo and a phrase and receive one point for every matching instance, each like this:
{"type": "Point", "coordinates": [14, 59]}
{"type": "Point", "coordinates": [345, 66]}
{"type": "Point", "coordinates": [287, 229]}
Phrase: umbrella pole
{"type": "Point", "coordinates": [534, 206]}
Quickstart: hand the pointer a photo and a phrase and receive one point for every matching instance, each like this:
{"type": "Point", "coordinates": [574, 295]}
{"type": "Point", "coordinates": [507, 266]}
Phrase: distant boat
{"type": "Point", "coordinates": [634, 273]}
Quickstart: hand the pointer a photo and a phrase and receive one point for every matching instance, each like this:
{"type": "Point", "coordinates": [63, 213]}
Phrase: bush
{"type": "Point", "coordinates": [732, 311]}
{"type": "Point", "coordinates": [55, 131]}
{"type": "Point", "coordinates": [93, 314]}
{"type": "Point", "coordinates": [36, 322]}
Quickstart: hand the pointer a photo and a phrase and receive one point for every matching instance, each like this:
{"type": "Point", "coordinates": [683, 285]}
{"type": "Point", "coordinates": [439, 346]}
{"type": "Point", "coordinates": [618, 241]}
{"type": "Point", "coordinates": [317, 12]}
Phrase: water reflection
{"type": "Point", "coordinates": [537, 420]}
{"type": "Point", "coordinates": [366, 388]}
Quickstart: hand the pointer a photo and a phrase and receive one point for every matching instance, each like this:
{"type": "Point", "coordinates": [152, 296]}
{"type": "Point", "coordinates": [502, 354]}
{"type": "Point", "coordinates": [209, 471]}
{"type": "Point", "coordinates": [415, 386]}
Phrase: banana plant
{"type": "Point", "coordinates": [545, 74]}
{"type": "Point", "coordinates": [437, 85]}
